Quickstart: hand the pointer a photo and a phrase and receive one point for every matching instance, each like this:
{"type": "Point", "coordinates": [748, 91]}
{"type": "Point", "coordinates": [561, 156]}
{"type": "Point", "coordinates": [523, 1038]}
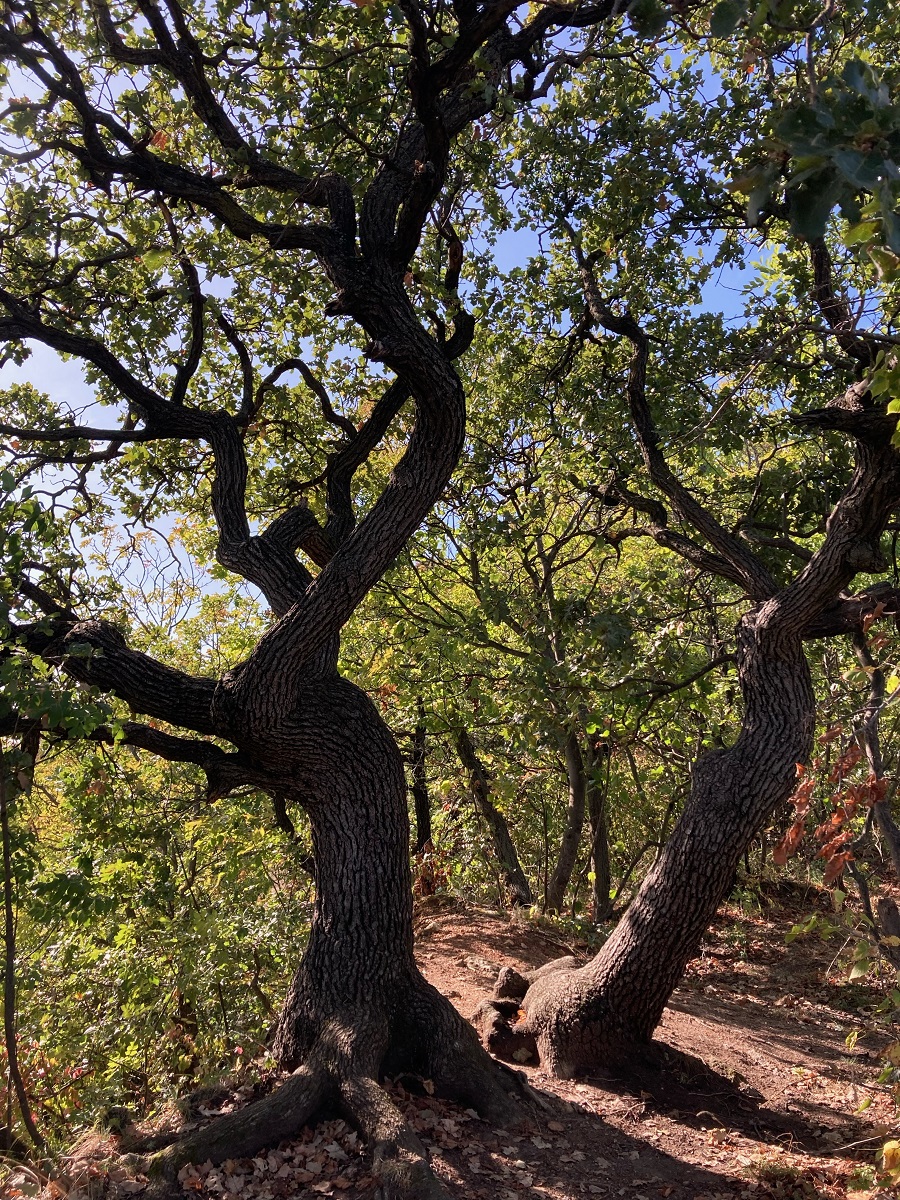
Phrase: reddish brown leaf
{"type": "Point", "coordinates": [830, 848]}
{"type": "Point", "coordinates": [830, 734]}
{"type": "Point", "coordinates": [845, 763]}
{"type": "Point", "coordinates": [789, 843]}
{"type": "Point", "coordinates": [836, 866]}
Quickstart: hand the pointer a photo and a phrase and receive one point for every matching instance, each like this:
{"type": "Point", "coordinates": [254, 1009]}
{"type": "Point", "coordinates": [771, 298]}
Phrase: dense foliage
{"type": "Point", "coordinates": [539, 608]}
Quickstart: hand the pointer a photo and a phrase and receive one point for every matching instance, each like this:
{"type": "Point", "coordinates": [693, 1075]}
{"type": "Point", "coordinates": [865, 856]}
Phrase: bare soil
{"type": "Point", "coordinates": [760, 1095]}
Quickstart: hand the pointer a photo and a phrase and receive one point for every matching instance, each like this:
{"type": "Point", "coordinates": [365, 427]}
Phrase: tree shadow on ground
{"type": "Point", "coordinates": [779, 1026]}
{"type": "Point", "coordinates": [691, 1092]}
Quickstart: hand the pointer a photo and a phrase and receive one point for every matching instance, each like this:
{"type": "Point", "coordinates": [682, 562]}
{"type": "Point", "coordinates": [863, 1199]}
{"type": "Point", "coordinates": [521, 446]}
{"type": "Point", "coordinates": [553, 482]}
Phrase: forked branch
{"type": "Point", "coordinates": [740, 560]}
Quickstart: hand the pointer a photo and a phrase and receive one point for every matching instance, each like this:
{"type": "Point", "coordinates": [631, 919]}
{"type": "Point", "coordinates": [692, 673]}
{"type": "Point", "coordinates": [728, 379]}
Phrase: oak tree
{"type": "Point", "coordinates": [228, 213]}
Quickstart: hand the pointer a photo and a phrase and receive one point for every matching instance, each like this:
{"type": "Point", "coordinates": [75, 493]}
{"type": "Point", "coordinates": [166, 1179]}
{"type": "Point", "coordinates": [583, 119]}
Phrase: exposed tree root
{"type": "Point", "coordinates": [400, 1161]}
{"type": "Point", "coordinates": [500, 1022]}
{"type": "Point", "coordinates": [342, 1066]}
{"type": "Point", "coordinates": [241, 1133]}
{"type": "Point", "coordinates": [451, 1056]}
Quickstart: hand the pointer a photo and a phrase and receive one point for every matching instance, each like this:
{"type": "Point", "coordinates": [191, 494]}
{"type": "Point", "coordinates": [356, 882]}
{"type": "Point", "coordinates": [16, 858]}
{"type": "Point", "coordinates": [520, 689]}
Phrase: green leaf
{"type": "Point", "coordinates": [860, 169]}
{"type": "Point", "coordinates": [810, 207]}
{"type": "Point", "coordinates": [154, 259]}
{"type": "Point", "coordinates": [862, 231]}
{"type": "Point", "coordinates": [648, 17]}
{"type": "Point", "coordinates": [726, 17]}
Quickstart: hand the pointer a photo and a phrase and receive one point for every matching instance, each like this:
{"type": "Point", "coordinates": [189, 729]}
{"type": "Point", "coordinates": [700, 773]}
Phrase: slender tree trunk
{"type": "Point", "coordinates": [881, 809]}
{"type": "Point", "coordinates": [597, 796]}
{"type": "Point", "coordinates": [421, 799]}
{"type": "Point", "coordinates": [9, 972]}
{"type": "Point", "coordinates": [598, 1013]}
{"type": "Point", "coordinates": [568, 849]}
{"type": "Point", "coordinates": [479, 783]}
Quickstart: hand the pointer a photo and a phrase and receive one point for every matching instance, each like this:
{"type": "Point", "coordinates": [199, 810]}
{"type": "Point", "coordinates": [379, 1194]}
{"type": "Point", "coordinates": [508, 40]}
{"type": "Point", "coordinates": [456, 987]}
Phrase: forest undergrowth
{"type": "Point", "coordinates": [778, 1081]}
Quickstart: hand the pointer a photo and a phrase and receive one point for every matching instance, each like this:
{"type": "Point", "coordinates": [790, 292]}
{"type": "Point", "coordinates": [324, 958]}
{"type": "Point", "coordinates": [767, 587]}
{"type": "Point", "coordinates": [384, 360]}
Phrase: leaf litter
{"type": "Point", "coordinates": [765, 1022]}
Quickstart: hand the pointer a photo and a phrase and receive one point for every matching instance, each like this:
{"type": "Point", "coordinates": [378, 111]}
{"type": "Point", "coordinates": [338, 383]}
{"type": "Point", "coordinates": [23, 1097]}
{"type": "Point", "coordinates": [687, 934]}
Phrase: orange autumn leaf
{"type": "Point", "coordinates": [845, 763]}
{"type": "Point", "coordinates": [836, 866]}
{"type": "Point", "coordinates": [829, 828]}
{"type": "Point", "coordinates": [830, 848]}
{"type": "Point", "coordinates": [789, 843]}
{"type": "Point", "coordinates": [875, 789]}
{"type": "Point", "coordinates": [830, 734]}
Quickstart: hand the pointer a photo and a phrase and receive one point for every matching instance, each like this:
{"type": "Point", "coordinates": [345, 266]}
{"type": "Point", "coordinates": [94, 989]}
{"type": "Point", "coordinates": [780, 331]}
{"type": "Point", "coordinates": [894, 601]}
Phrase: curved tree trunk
{"type": "Point", "coordinates": [597, 794]}
{"type": "Point", "coordinates": [568, 849]}
{"type": "Point", "coordinates": [358, 982]}
{"type": "Point", "coordinates": [586, 1017]}
{"type": "Point", "coordinates": [513, 875]}
{"type": "Point", "coordinates": [358, 1008]}
{"type": "Point", "coordinates": [597, 1014]}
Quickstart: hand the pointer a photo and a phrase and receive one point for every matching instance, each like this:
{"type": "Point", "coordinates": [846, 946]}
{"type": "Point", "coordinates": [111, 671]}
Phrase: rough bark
{"type": "Point", "coordinates": [575, 810]}
{"type": "Point", "coordinates": [480, 787]}
{"type": "Point", "coordinates": [358, 1008]}
{"type": "Point", "coordinates": [592, 1016]}
{"type": "Point", "coordinates": [8, 785]}
{"type": "Point", "coordinates": [588, 1017]}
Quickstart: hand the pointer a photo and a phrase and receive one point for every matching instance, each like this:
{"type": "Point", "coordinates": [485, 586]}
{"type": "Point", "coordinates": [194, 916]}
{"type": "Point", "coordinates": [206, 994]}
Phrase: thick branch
{"type": "Point", "coordinates": [163, 418]}
{"type": "Point", "coordinates": [298, 529]}
{"type": "Point", "coordinates": [144, 684]}
{"type": "Point", "coordinates": [268, 563]}
{"type": "Point", "coordinates": [273, 569]}
{"type": "Point", "coordinates": [343, 465]}
{"type": "Point", "coordinates": [224, 771]}
{"type": "Point", "coordinates": [835, 309]}
{"type": "Point", "coordinates": [852, 539]}
{"type": "Point", "coordinates": [848, 614]}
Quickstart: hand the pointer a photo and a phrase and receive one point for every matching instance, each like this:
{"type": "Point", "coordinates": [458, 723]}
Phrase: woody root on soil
{"type": "Point", "coordinates": [342, 1073]}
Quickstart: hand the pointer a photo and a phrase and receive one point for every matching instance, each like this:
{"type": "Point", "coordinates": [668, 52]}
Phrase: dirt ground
{"type": "Point", "coordinates": [780, 1104]}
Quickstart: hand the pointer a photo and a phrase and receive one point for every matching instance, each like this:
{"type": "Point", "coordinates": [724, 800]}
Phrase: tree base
{"type": "Point", "coordinates": [341, 1071]}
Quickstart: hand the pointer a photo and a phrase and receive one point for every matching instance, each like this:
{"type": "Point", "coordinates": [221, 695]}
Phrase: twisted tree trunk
{"type": "Point", "coordinates": [596, 1014]}
{"type": "Point", "coordinates": [358, 1008]}
{"type": "Point", "coordinates": [583, 1018]}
